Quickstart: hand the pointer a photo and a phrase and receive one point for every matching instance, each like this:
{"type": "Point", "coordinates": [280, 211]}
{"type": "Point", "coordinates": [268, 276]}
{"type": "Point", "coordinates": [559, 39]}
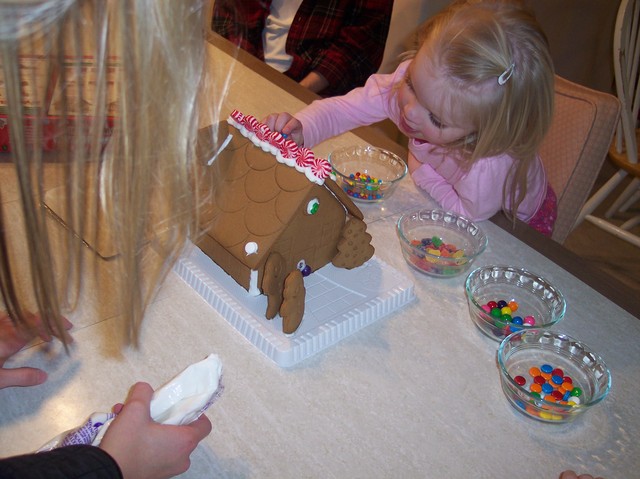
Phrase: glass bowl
{"type": "Point", "coordinates": [578, 377]}
{"type": "Point", "coordinates": [366, 173]}
{"type": "Point", "coordinates": [532, 301]}
{"type": "Point", "coordinates": [439, 243]}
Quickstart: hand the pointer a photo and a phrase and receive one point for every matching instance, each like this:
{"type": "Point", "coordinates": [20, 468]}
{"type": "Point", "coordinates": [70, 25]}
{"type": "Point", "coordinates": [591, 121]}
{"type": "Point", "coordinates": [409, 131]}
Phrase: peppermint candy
{"type": "Point", "coordinates": [278, 141]}
{"type": "Point", "coordinates": [292, 149]}
{"type": "Point", "coordinates": [237, 116]}
{"type": "Point", "coordinates": [263, 133]}
{"type": "Point", "coordinates": [251, 123]}
{"type": "Point", "coordinates": [320, 168]}
{"type": "Point", "coordinates": [285, 150]}
{"type": "Point", "coordinates": [304, 159]}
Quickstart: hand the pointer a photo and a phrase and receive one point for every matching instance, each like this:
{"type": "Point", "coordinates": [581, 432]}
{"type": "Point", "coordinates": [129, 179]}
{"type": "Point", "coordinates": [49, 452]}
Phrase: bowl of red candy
{"type": "Point", "coordinates": [439, 243]}
{"type": "Point", "coordinates": [550, 376]}
{"type": "Point", "coordinates": [505, 299]}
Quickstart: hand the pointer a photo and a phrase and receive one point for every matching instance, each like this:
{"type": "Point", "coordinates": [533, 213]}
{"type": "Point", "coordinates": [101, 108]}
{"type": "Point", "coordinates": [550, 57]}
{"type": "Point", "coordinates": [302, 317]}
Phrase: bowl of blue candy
{"type": "Point", "coordinates": [506, 299]}
{"type": "Point", "coordinates": [366, 173]}
{"type": "Point", "coordinates": [550, 376]}
{"type": "Point", "coordinates": [439, 243]}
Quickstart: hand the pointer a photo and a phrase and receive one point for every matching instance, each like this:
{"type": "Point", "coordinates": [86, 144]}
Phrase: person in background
{"type": "Point", "coordinates": [475, 101]}
{"type": "Point", "coordinates": [329, 47]}
{"type": "Point", "coordinates": [141, 186]}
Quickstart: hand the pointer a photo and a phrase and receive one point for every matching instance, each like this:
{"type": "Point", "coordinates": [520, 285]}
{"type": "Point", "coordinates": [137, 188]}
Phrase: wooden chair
{"type": "Point", "coordinates": [623, 153]}
{"type": "Point", "coordinates": [576, 146]}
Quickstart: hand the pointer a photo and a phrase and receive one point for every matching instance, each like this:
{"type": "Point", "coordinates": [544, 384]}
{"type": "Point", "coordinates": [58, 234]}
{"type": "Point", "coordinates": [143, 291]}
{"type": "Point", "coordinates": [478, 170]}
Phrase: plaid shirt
{"type": "Point", "coordinates": [343, 40]}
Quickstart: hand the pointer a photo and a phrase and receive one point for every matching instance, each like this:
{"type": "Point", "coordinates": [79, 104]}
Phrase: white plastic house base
{"type": "Point", "coordinates": [338, 303]}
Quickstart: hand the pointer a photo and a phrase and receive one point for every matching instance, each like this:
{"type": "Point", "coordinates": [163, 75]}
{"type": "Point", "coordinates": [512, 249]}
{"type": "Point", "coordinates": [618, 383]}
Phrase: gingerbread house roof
{"type": "Point", "coordinates": [255, 196]}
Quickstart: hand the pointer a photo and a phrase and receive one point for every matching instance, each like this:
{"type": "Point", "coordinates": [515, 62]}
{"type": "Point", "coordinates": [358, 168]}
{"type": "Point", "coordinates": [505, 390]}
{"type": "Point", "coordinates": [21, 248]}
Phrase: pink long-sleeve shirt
{"type": "Point", "coordinates": [476, 192]}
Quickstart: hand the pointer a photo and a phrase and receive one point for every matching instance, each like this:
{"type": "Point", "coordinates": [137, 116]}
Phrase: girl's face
{"type": "Point", "coordinates": [426, 110]}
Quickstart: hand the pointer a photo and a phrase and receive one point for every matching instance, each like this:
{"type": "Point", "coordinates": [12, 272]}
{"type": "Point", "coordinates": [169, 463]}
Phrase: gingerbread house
{"type": "Point", "coordinates": [274, 215]}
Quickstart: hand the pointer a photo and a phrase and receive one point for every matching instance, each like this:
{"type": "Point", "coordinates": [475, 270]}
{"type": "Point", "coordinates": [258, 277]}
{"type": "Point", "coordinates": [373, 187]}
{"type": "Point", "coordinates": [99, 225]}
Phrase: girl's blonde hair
{"type": "Point", "coordinates": [497, 61]}
{"type": "Point", "coordinates": [142, 65]}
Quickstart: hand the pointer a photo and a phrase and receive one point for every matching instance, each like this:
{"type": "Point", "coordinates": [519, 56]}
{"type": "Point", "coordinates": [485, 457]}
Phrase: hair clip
{"type": "Point", "coordinates": [504, 78]}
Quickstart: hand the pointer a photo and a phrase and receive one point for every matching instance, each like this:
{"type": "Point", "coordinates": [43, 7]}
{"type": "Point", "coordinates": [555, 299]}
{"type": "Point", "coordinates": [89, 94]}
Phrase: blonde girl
{"type": "Point", "coordinates": [475, 101]}
{"type": "Point", "coordinates": [131, 74]}
{"type": "Point", "coordinates": [124, 79]}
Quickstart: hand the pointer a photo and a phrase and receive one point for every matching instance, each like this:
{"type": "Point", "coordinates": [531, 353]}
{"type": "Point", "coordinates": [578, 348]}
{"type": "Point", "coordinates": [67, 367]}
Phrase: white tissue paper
{"type": "Point", "coordinates": [180, 401]}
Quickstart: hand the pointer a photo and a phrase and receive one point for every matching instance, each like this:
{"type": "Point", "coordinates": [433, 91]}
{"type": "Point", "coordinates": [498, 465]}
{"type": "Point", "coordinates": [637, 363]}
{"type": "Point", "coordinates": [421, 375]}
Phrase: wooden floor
{"type": "Point", "coordinates": [613, 255]}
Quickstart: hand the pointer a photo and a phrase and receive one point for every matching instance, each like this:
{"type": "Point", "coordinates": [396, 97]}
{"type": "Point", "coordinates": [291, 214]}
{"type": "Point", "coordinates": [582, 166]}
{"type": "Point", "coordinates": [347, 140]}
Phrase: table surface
{"type": "Point", "coordinates": [416, 394]}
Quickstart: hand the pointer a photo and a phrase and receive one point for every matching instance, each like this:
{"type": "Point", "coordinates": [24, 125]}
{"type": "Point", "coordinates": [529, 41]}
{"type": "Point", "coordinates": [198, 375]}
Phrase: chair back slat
{"type": "Point", "coordinates": [576, 146]}
{"type": "Point", "coordinates": [626, 63]}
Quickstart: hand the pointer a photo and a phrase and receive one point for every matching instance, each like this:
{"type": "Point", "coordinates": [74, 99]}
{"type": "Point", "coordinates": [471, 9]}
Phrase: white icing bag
{"type": "Point", "coordinates": [180, 401]}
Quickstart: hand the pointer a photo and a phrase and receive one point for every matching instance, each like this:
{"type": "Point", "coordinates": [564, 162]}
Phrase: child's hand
{"type": "Point", "coordinates": [286, 124]}
{"type": "Point", "coordinates": [12, 340]}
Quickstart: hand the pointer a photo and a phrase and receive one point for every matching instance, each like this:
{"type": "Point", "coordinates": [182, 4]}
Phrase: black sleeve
{"type": "Point", "coordinates": [86, 462]}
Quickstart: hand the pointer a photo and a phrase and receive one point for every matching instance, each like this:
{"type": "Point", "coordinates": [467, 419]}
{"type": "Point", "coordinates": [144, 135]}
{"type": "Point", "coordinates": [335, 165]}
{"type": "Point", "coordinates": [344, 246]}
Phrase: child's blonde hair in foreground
{"type": "Point", "coordinates": [496, 59]}
{"type": "Point", "coordinates": [144, 178]}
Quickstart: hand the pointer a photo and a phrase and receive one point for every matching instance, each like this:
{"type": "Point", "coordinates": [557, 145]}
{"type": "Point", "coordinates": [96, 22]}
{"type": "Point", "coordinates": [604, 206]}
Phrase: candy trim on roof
{"type": "Point", "coordinates": [285, 150]}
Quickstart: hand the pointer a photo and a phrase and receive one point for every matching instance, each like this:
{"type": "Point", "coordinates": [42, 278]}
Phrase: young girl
{"type": "Point", "coordinates": [476, 100]}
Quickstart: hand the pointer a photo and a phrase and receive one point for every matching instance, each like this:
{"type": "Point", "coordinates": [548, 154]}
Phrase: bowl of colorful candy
{"type": "Point", "coordinates": [366, 173]}
{"type": "Point", "coordinates": [506, 299]}
{"type": "Point", "coordinates": [550, 376]}
{"type": "Point", "coordinates": [439, 243]}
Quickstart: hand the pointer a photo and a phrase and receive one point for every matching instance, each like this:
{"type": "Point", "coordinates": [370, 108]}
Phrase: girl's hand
{"type": "Point", "coordinates": [13, 340]}
{"type": "Point", "coordinates": [145, 449]}
{"type": "Point", "coordinates": [286, 124]}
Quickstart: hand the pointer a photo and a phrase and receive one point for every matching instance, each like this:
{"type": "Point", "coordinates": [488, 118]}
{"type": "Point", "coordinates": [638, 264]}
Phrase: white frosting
{"type": "Point", "coordinates": [183, 399]}
{"type": "Point", "coordinates": [253, 284]}
{"type": "Point", "coordinates": [251, 248]}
